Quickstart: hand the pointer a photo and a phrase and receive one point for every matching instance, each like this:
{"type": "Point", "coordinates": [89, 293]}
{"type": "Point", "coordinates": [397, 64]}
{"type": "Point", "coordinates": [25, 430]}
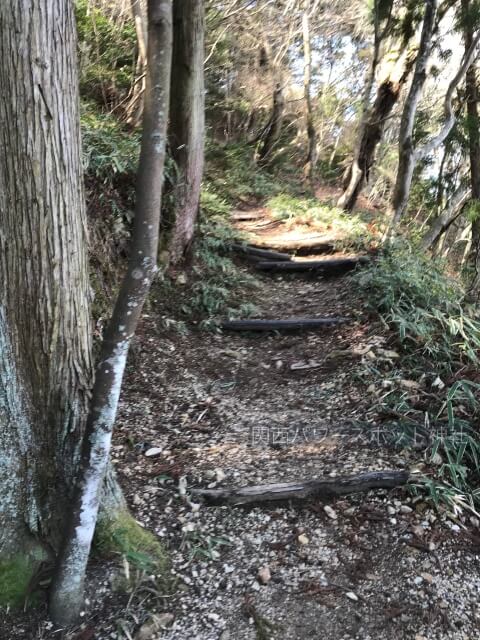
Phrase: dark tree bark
{"type": "Point", "coordinates": [45, 337]}
{"type": "Point", "coordinates": [471, 85]}
{"type": "Point", "coordinates": [324, 488]}
{"type": "Point", "coordinates": [274, 127]}
{"type": "Point", "coordinates": [373, 128]}
{"type": "Point", "coordinates": [67, 590]}
{"type": "Point", "coordinates": [187, 122]}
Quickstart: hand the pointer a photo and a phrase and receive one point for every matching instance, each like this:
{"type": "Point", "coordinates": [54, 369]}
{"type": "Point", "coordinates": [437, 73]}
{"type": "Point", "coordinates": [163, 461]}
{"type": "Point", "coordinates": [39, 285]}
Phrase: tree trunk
{"type": "Point", "coordinates": [45, 333]}
{"type": "Point", "coordinates": [406, 162]}
{"type": "Point", "coordinates": [474, 149]}
{"type": "Point", "coordinates": [311, 160]}
{"type": "Point", "coordinates": [274, 127]}
{"type": "Point", "coordinates": [187, 121]}
{"type": "Point", "coordinates": [371, 132]}
{"type": "Point", "coordinates": [410, 157]}
{"type": "Point", "coordinates": [67, 590]}
{"type": "Point", "coordinates": [134, 106]}
{"type": "Point", "coordinates": [443, 222]}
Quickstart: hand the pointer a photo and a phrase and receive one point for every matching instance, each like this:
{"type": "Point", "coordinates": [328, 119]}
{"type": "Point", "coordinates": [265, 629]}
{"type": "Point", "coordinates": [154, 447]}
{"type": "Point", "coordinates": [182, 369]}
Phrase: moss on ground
{"type": "Point", "coordinates": [123, 535]}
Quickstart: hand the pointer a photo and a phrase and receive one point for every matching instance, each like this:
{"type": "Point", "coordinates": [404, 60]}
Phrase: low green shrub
{"type": "Point", "coordinates": [440, 337]}
{"type": "Point", "coordinates": [109, 150]}
{"type": "Point", "coordinates": [424, 305]}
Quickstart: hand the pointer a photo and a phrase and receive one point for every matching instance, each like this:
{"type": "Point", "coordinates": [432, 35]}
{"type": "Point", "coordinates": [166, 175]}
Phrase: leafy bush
{"type": "Point", "coordinates": [216, 286]}
{"type": "Point", "coordinates": [108, 149]}
{"type": "Point", "coordinates": [424, 305]}
{"type": "Point", "coordinates": [107, 54]}
{"type": "Point", "coordinates": [219, 281]}
{"type": "Point", "coordinates": [441, 338]}
{"type": "Point", "coordinates": [232, 174]}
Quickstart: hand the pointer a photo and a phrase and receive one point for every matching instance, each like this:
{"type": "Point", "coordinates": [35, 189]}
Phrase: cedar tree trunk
{"type": "Point", "coordinates": [45, 332]}
{"type": "Point", "coordinates": [187, 121]}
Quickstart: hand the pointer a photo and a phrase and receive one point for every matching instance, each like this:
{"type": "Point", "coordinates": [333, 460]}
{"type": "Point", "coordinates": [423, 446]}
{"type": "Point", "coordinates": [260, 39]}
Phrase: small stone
{"type": "Point", "coordinates": [220, 475]}
{"type": "Point", "coordinates": [391, 510]}
{"type": "Point", "coordinates": [302, 538]}
{"type": "Point", "coordinates": [153, 451]}
{"type": "Point", "coordinates": [264, 576]}
{"type": "Point", "coordinates": [352, 596]}
{"type": "Point", "coordinates": [154, 625]}
{"type": "Point", "coordinates": [330, 512]}
{"type": "Point", "coordinates": [278, 365]}
{"type": "Point", "coordinates": [428, 577]}
{"type": "Point", "coordinates": [405, 509]}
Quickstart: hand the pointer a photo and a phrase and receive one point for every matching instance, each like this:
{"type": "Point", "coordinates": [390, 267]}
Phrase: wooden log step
{"type": "Point", "coordinates": [245, 216]}
{"type": "Point", "coordinates": [305, 246]}
{"type": "Point", "coordinates": [324, 267]}
{"type": "Point", "coordinates": [323, 488]}
{"type": "Point", "coordinates": [261, 253]}
{"type": "Point", "coordinates": [294, 324]}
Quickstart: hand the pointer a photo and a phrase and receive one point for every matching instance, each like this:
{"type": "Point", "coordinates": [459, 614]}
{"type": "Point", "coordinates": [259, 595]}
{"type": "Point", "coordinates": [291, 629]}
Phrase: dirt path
{"type": "Point", "coordinates": [229, 410]}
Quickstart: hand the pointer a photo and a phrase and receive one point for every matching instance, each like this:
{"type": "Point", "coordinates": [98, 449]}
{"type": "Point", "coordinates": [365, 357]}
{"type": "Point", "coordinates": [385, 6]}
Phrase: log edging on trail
{"type": "Point", "coordinates": [303, 489]}
{"type": "Point", "coordinates": [300, 247]}
{"type": "Point", "coordinates": [336, 266]}
{"type": "Point", "coordinates": [266, 254]}
{"type": "Point", "coordinates": [294, 324]}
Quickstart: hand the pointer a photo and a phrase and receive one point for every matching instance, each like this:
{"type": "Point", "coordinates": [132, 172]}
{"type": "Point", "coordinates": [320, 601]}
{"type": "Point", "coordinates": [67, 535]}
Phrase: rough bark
{"type": "Point", "coordinates": [187, 122]}
{"type": "Point", "coordinates": [45, 343]}
{"type": "Point", "coordinates": [67, 590]}
{"type": "Point", "coordinates": [325, 488]}
{"type": "Point", "coordinates": [311, 159]}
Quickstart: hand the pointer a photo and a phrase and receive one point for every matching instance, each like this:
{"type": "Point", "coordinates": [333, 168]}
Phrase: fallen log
{"type": "Point", "coordinates": [323, 267]}
{"type": "Point", "coordinates": [261, 253]}
{"type": "Point", "coordinates": [294, 324]}
{"type": "Point", "coordinates": [303, 490]}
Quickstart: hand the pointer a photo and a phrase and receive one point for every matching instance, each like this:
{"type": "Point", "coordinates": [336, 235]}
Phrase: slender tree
{"type": "Point", "coordinates": [409, 156]}
{"type": "Point", "coordinates": [187, 121]}
{"type": "Point", "coordinates": [311, 160]}
{"type": "Point", "coordinates": [67, 590]}
{"type": "Point", "coordinates": [273, 129]}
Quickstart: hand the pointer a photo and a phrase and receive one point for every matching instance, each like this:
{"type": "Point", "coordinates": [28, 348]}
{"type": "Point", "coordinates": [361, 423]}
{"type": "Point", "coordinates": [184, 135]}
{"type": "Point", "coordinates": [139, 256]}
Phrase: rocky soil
{"type": "Point", "coordinates": [212, 410]}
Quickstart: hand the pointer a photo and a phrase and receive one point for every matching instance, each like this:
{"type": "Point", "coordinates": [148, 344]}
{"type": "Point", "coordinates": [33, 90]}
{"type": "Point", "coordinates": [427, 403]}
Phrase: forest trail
{"type": "Point", "coordinates": [233, 409]}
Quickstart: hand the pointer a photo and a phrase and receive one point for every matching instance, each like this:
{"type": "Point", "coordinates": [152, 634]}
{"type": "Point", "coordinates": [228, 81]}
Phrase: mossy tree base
{"type": "Point", "coordinates": [18, 573]}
